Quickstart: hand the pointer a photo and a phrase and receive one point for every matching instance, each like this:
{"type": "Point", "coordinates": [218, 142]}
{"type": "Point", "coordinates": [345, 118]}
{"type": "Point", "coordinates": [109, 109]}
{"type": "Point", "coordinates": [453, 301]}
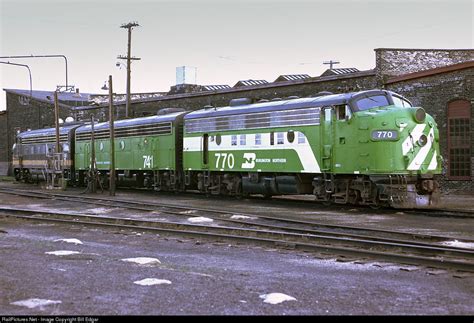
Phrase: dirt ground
{"type": "Point", "coordinates": [205, 278]}
{"type": "Point", "coordinates": [199, 277]}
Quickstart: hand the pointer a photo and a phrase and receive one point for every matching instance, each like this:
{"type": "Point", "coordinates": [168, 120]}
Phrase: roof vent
{"type": "Point", "coordinates": [240, 101]}
{"type": "Point", "coordinates": [292, 97]}
{"type": "Point", "coordinates": [262, 100]}
{"type": "Point", "coordinates": [276, 99]}
{"type": "Point", "coordinates": [323, 93]}
{"type": "Point", "coordinates": [208, 107]}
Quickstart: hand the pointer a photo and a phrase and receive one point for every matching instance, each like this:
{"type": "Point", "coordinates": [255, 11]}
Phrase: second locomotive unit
{"type": "Point", "coordinates": [368, 147]}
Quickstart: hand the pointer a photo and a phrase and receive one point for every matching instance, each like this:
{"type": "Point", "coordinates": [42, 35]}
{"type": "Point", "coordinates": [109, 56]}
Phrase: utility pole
{"type": "Point", "coordinates": [129, 58]}
{"type": "Point", "coordinates": [112, 138]}
{"type": "Point", "coordinates": [93, 170]}
{"type": "Point", "coordinates": [331, 63]}
{"type": "Point", "coordinates": [56, 120]}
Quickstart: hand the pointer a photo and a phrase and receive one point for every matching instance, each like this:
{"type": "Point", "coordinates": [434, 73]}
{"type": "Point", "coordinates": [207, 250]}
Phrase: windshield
{"type": "Point", "coordinates": [372, 102]}
{"type": "Point", "coordinates": [399, 102]}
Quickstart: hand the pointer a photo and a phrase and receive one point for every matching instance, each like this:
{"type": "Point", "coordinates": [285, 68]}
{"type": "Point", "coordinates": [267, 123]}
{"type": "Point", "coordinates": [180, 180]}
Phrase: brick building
{"type": "Point", "coordinates": [439, 80]}
{"type": "Point", "coordinates": [34, 110]}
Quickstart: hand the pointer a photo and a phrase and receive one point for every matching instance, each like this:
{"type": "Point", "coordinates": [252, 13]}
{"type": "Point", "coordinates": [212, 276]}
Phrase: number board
{"type": "Point", "coordinates": [384, 135]}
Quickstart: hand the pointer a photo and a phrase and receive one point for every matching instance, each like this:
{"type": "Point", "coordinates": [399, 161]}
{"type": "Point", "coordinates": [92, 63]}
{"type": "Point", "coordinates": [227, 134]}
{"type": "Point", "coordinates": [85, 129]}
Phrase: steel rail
{"type": "Point", "coordinates": [402, 253]}
{"type": "Point", "coordinates": [253, 223]}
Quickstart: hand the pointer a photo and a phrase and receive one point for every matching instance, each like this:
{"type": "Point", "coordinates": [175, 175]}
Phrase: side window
{"type": "Point", "coordinates": [342, 111]}
{"type": "Point", "coordinates": [280, 138]}
{"type": "Point", "coordinates": [258, 139]}
{"type": "Point", "coordinates": [233, 140]}
{"type": "Point", "coordinates": [243, 140]}
{"type": "Point", "coordinates": [272, 138]}
{"type": "Point", "coordinates": [301, 138]}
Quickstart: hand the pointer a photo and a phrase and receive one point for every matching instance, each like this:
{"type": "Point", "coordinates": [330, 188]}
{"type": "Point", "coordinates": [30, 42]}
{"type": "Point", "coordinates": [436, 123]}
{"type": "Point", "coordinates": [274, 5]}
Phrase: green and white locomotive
{"type": "Point", "coordinates": [148, 151]}
{"type": "Point", "coordinates": [369, 147]}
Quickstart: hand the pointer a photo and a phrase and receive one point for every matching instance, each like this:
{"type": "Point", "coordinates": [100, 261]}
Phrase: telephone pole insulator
{"type": "Point", "coordinates": [331, 63]}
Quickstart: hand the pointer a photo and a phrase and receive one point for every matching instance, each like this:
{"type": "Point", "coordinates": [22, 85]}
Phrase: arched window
{"type": "Point", "coordinates": [459, 140]}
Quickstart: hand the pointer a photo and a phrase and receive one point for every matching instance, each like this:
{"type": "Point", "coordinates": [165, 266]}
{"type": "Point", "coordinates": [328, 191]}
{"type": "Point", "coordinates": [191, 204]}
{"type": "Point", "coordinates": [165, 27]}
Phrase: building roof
{"type": "Point", "coordinates": [292, 77]}
{"type": "Point", "coordinates": [48, 96]}
{"type": "Point", "coordinates": [250, 82]}
{"type": "Point", "coordinates": [340, 71]}
{"type": "Point", "coordinates": [366, 73]}
{"type": "Point", "coordinates": [215, 87]}
{"type": "Point", "coordinates": [430, 72]}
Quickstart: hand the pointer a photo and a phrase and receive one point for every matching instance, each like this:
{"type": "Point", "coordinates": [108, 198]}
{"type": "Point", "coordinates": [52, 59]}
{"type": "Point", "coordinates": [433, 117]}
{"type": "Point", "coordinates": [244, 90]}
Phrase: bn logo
{"type": "Point", "coordinates": [249, 160]}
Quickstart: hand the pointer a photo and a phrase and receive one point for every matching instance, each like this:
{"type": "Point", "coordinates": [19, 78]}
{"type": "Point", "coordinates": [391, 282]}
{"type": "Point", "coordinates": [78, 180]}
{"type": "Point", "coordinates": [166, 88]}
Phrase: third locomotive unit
{"type": "Point", "coordinates": [370, 147]}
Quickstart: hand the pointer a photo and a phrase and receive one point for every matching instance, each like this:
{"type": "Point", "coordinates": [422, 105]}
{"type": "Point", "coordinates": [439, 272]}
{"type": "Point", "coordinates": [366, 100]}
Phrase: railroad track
{"type": "Point", "coordinates": [327, 241]}
{"type": "Point", "coordinates": [290, 224]}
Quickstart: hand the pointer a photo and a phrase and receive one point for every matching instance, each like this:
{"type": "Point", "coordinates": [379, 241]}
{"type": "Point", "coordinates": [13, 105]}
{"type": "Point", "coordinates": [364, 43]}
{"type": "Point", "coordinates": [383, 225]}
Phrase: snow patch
{"type": "Point", "coordinates": [459, 244]}
{"type": "Point", "coordinates": [73, 240]}
{"type": "Point", "coordinates": [151, 281]}
{"type": "Point", "coordinates": [62, 252]}
{"type": "Point", "coordinates": [242, 217]}
{"type": "Point", "coordinates": [200, 219]}
{"type": "Point", "coordinates": [143, 260]}
{"type": "Point", "coordinates": [99, 210]}
{"type": "Point", "coordinates": [35, 302]}
{"type": "Point", "coordinates": [276, 298]}
{"type": "Point", "coordinates": [188, 212]}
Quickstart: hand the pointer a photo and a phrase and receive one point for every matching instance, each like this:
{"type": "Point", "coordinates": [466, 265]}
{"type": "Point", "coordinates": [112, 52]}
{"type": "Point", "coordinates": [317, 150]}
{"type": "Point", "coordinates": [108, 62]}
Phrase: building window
{"type": "Point", "coordinates": [459, 140]}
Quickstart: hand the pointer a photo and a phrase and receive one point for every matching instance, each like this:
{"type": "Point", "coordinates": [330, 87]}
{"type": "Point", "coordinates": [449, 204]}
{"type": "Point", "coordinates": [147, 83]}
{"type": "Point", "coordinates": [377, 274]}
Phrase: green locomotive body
{"type": "Point", "coordinates": [368, 147]}
{"type": "Point", "coordinates": [147, 151]}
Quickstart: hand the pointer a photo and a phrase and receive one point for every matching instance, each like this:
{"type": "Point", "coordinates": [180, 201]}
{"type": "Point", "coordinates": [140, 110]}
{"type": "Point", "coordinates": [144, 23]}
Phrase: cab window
{"type": "Point", "coordinates": [343, 112]}
{"type": "Point", "coordinates": [399, 102]}
{"type": "Point", "coordinates": [370, 102]}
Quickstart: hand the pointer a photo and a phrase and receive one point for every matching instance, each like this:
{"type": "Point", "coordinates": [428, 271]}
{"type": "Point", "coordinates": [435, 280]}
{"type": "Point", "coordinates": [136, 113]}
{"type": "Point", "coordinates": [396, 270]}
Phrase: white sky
{"type": "Point", "coordinates": [226, 40]}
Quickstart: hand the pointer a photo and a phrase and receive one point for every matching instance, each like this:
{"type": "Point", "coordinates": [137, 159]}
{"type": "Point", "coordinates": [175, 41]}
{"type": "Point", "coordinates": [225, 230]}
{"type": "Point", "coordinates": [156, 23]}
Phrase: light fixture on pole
{"type": "Point", "coordinates": [29, 73]}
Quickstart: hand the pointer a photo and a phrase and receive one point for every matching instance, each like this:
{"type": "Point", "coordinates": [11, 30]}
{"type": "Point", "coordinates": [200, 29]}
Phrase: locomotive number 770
{"type": "Point", "coordinates": [225, 159]}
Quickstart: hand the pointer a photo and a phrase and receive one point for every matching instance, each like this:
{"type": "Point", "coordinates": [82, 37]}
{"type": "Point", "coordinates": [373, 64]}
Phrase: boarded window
{"type": "Point", "coordinates": [459, 140]}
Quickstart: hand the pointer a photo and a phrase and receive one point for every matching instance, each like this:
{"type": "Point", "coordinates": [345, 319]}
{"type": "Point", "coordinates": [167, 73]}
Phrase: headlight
{"type": "Point", "coordinates": [423, 140]}
{"type": "Point", "coordinates": [420, 115]}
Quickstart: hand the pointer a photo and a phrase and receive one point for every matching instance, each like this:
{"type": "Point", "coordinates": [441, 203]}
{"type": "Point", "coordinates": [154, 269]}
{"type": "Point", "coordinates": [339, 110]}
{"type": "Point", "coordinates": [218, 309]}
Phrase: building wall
{"type": "Point", "coordinates": [34, 115]}
{"type": "Point", "coordinates": [3, 143]}
{"type": "Point", "coordinates": [434, 93]}
{"type": "Point", "coordinates": [392, 62]}
{"type": "Point", "coordinates": [301, 89]}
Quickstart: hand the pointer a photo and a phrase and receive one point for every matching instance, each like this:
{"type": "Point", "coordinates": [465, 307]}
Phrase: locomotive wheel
{"type": "Point", "coordinates": [327, 203]}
